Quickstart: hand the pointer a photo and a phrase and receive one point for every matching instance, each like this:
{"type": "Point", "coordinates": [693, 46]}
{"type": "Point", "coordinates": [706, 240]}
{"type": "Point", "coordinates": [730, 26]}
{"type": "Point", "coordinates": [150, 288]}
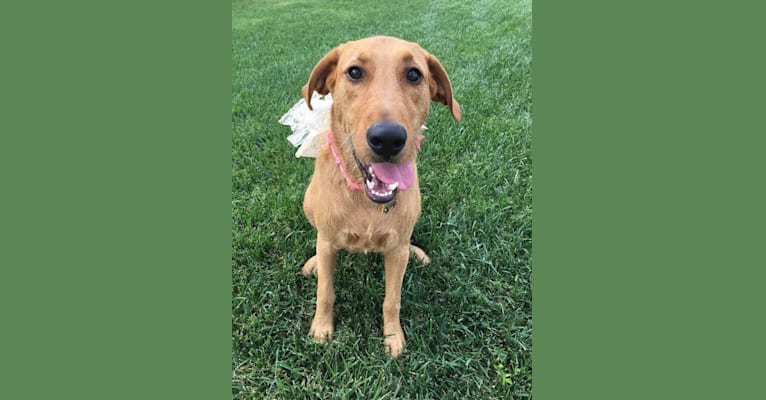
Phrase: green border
{"type": "Point", "coordinates": [116, 208]}
{"type": "Point", "coordinates": [648, 200]}
{"type": "Point", "coordinates": [648, 204]}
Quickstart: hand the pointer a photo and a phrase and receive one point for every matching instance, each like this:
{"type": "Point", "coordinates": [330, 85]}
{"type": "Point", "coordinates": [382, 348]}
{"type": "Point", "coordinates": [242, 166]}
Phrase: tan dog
{"type": "Point", "coordinates": [364, 194]}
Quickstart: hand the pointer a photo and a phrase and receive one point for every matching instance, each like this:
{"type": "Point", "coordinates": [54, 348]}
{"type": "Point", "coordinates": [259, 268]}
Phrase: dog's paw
{"type": "Point", "coordinates": [310, 267]}
{"type": "Point", "coordinates": [419, 254]}
{"type": "Point", "coordinates": [394, 344]}
{"type": "Point", "coordinates": [321, 330]}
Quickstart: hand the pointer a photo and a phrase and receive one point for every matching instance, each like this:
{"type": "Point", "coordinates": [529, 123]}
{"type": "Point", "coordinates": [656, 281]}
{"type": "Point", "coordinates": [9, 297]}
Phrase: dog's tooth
{"type": "Point", "coordinates": [393, 186]}
{"type": "Point", "coordinates": [370, 185]}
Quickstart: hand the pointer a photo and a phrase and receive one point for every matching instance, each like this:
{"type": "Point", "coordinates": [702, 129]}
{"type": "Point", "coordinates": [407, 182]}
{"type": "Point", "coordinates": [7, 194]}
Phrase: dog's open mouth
{"type": "Point", "coordinates": [383, 180]}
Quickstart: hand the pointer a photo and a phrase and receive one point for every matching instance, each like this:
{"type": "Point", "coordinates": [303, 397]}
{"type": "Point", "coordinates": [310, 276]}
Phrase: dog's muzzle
{"type": "Point", "coordinates": [383, 180]}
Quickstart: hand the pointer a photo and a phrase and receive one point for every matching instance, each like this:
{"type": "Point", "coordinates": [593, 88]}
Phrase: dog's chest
{"type": "Point", "coordinates": [366, 238]}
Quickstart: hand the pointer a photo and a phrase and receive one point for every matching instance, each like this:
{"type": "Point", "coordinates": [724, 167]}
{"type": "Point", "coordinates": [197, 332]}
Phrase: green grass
{"type": "Point", "coordinates": [467, 316]}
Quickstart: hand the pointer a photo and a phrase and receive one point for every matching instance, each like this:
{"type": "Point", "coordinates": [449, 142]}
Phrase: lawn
{"type": "Point", "coordinates": [467, 316]}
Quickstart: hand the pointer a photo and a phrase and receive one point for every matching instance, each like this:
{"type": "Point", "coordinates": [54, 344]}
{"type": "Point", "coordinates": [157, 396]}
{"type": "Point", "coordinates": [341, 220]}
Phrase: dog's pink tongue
{"type": "Point", "coordinates": [390, 173]}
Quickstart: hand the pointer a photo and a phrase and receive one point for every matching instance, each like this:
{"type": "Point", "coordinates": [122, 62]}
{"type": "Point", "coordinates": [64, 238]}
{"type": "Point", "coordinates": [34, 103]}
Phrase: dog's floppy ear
{"type": "Point", "coordinates": [441, 88]}
{"type": "Point", "coordinates": [322, 80]}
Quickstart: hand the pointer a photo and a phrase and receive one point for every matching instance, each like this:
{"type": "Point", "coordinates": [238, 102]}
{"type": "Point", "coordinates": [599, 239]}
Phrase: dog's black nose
{"type": "Point", "coordinates": [386, 139]}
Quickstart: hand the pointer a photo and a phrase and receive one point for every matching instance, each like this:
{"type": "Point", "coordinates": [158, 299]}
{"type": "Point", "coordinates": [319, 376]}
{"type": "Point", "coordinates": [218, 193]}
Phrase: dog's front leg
{"type": "Point", "coordinates": [322, 325]}
{"type": "Point", "coordinates": [396, 264]}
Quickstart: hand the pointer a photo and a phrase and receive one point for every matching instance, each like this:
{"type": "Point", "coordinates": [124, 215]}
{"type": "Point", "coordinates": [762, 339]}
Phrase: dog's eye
{"type": "Point", "coordinates": [355, 73]}
{"type": "Point", "coordinates": [414, 75]}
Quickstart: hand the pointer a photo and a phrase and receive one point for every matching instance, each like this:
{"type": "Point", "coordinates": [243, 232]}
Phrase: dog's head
{"type": "Point", "coordinates": [382, 88]}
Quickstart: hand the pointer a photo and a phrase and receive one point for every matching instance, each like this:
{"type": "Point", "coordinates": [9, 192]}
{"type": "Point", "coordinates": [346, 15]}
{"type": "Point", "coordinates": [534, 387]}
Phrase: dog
{"type": "Point", "coordinates": [364, 194]}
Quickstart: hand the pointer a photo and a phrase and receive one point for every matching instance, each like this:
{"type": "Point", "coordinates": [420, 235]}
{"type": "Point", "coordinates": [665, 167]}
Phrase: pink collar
{"type": "Point", "coordinates": [351, 184]}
